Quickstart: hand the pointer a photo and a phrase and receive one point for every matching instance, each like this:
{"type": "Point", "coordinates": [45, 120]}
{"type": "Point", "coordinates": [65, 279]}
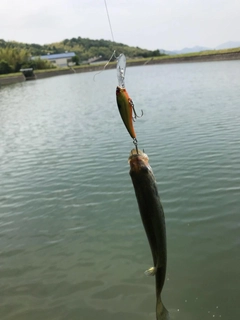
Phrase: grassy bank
{"type": "Point", "coordinates": [10, 75]}
{"type": "Point", "coordinates": [202, 53]}
{"type": "Point", "coordinates": [210, 55]}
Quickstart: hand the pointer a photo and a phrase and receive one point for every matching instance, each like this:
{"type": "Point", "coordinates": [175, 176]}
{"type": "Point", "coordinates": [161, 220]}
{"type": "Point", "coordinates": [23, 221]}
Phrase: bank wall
{"type": "Point", "coordinates": [12, 79]}
{"type": "Point", "coordinates": [53, 73]}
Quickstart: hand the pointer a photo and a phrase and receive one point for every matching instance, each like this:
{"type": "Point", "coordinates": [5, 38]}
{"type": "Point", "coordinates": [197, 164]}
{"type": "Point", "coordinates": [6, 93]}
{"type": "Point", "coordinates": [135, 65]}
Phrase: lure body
{"type": "Point", "coordinates": [125, 107]}
{"type": "Point", "coordinates": [124, 102]}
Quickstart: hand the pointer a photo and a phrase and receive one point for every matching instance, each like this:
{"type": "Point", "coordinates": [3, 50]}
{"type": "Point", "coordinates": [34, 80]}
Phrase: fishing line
{"type": "Point", "coordinates": [114, 51]}
{"type": "Point", "coordinates": [109, 21]}
{"type": "Point", "coordinates": [110, 25]}
{"type": "Point", "coordinates": [113, 55]}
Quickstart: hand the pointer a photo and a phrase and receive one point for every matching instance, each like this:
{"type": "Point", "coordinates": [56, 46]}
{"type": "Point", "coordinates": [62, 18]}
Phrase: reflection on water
{"type": "Point", "coordinates": [72, 242]}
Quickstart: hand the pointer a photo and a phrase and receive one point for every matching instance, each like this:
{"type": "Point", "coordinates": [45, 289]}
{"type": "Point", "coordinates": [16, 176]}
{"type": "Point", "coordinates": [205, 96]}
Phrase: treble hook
{"type": "Point", "coordinates": [134, 111]}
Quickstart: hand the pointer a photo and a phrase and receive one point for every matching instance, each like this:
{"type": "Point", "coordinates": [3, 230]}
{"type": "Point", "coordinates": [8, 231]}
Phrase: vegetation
{"type": "Point", "coordinates": [4, 67]}
{"type": "Point", "coordinates": [86, 49]}
{"type": "Point", "coordinates": [75, 60]}
{"type": "Point", "coordinates": [9, 75]}
{"type": "Point", "coordinates": [17, 55]}
{"type": "Point", "coordinates": [202, 53]}
{"type": "Point", "coordinates": [38, 64]}
{"type": "Point", "coordinates": [12, 59]}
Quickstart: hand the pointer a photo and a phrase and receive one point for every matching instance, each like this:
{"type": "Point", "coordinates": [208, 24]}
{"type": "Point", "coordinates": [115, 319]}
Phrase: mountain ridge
{"type": "Point", "coordinates": [225, 45]}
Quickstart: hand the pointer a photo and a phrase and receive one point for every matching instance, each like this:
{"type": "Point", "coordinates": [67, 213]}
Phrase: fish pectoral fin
{"type": "Point", "coordinates": [151, 271]}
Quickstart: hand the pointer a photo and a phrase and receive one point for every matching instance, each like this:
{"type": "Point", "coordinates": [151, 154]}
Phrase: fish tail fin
{"type": "Point", "coordinates": [161, 312]}
{"type": "Point", "coordinates": [151, 271]}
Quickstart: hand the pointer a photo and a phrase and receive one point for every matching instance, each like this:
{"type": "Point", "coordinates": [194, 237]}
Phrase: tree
{"type": "Point", "coordinates": [4, 67]}
{"type": "Point", "coordinates": [76, 59]}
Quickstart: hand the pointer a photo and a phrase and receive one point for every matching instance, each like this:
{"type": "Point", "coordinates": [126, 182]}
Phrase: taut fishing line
{"type": "Point", "coordinates": [114, 51]}
{"type": "Point", "coordinates": [109, 21]}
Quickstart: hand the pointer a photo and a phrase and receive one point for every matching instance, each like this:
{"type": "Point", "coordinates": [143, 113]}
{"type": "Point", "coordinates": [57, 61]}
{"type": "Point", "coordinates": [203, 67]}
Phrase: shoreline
{"type": "Point", "coordinates": [42, 74]}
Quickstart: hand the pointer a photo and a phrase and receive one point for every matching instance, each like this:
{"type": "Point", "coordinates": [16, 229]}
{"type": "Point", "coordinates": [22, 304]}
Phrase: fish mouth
{"type": "Point", "coordinates": [138, 161]}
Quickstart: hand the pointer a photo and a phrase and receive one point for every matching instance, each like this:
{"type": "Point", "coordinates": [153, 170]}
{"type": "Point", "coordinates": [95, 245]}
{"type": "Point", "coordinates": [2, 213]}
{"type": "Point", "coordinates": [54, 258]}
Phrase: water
{"type": "Point", "coordinates": [72, 242]}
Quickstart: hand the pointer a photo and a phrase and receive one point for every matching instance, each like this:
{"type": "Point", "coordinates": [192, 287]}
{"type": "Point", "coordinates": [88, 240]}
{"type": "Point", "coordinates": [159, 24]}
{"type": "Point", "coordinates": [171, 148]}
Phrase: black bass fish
{"type": "Point", "coordinates": [153, 219]}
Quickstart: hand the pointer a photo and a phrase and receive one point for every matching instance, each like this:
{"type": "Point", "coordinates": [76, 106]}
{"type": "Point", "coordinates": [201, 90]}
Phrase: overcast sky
{"type": "Point", "coordinates": [150, 24]}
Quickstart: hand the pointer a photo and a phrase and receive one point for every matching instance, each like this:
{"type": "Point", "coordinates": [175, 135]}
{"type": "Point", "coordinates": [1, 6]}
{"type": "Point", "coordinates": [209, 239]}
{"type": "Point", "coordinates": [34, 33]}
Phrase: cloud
{"type": "Point", "coordinates": [151, 24]}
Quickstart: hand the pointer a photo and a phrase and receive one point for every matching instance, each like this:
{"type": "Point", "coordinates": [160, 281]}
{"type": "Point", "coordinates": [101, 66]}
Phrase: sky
{"type": "Point", "coordinates": [148, 24]}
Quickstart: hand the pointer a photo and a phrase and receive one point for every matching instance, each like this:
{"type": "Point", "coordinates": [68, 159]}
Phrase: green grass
{"type": "Point", "coordinates": [50, 70]}
{"type": "Point", "coordinates": [137, 60]}
{"type": "Point", "coordinates": [10, 75]}
{"type": "Point", "coordinates": [202, 53]}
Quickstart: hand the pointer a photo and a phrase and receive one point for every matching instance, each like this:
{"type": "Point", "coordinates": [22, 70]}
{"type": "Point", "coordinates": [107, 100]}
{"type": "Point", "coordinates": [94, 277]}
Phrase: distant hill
{"type": "Point", "coordinates": [225, 45]}
{"type": "Point", "coordinates": [16, 55]}
{"type": "Point", "coordinates": [84, 48]}
{"type": "Point", "coordinates": [228, 45]}
{"type": "Point", "coordinates": [167, 52]}
{"type": "Point", "coordinates": [186, 50]}
{"type": "Point", "coordinates": [193, 49]}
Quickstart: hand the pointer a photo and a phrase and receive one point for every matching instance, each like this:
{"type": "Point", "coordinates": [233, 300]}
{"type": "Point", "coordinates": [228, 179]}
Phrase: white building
{"type": "Point", "coordinates": [59, 59]}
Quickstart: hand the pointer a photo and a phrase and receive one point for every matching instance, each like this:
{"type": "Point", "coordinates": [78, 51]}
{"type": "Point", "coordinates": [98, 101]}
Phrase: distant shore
{"type": "Point", "coordinates": [187, 58]}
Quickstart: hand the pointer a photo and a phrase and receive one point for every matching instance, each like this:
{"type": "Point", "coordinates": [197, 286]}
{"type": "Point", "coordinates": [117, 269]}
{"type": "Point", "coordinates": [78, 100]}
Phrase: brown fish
{"type": "Point", "coordinates": [153, 219]}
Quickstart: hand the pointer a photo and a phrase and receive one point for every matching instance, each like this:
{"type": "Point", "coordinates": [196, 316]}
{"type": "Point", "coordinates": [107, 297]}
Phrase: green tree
{"type": "Point", "coordinates": [18, 54]}
{"type": "Point", "coordinates": [15, 57]}
{"type": "Point", "coordinates": [76, 60]}
{"type": "Point", "coordinates": [5, 67]}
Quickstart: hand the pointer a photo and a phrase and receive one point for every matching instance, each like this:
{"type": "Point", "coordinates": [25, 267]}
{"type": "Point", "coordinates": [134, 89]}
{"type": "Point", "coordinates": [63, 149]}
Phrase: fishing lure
{"type": "Point", "coordinates": [124, 102]}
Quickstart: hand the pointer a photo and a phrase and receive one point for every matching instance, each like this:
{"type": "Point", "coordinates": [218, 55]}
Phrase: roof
{"type": "Point", "coordinates": [26, 69]}
{"type": "Point", "coordinates": [57, 56]}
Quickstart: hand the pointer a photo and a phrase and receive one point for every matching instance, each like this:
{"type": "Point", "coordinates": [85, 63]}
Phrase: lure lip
{"type": "Point", "coordinates": [121, 70]}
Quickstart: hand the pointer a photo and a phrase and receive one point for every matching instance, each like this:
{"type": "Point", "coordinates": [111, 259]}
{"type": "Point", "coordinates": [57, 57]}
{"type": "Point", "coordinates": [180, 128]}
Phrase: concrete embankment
{"type": "Point", "coordinates": [12, 79]}
{"type": "Point", "coordinates": [53, 73]}
{"type": "Point", "coordinates": [163, 60]}
{"type": "Point", "coordinates": [50, 73]}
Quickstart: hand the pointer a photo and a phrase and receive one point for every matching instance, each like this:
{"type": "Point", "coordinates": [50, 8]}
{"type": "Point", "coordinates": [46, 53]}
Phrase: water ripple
{"type": "Point", "coordinates": [73, 244]}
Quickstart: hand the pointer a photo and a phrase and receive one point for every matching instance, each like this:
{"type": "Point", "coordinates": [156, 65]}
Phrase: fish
{"type": "Point", "coordinates": [152, 214]}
